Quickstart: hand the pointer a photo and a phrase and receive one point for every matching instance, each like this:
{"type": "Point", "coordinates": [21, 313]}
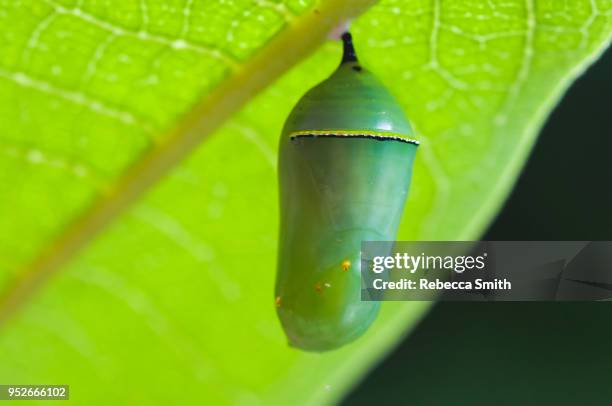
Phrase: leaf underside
{"type": "Point", "coordinates": [177, 292]}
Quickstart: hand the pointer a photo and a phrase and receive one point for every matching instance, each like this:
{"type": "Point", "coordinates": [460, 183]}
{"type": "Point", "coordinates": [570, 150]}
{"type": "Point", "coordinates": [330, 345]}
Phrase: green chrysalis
{"type": "Point", "coordinates": [345, 164]}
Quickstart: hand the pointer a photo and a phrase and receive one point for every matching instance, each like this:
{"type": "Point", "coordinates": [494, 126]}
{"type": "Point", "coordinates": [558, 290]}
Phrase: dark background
{"type": "Point", "coordinates": [525, 353]}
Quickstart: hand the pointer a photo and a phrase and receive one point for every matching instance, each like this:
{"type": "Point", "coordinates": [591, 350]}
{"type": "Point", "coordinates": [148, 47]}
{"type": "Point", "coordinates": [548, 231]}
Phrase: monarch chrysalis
{"type": "Point", "coordinates": [345, 164]}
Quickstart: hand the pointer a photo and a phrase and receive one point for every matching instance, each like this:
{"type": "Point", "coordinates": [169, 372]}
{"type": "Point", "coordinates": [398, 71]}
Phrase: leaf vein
{"type": "Point", "coordinates": [79, 98]}
{"type": "Point", "coordinates": [146, 36]}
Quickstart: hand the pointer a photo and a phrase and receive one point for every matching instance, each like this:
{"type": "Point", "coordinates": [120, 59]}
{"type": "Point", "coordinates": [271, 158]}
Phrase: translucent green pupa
{"type": "Point", "coordinates": [345, 165]}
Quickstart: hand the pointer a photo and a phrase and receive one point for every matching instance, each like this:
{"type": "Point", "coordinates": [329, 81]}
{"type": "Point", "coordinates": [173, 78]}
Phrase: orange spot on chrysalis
{"type": "Point", "coordinates": [346, 265]}
{"type": "Point", "coordinates": [318, 287]}
{"type": "Point", "coordinates": [277, 301]}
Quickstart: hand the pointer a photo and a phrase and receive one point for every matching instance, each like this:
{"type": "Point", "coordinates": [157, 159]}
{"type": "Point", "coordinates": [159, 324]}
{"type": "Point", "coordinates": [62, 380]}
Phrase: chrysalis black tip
{"type": "Point", "coordinates": [349, 54]}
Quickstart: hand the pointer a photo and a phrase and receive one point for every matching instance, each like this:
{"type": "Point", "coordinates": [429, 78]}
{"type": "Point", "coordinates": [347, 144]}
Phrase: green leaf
{"type": "Point", "coordinates": [172, 302]}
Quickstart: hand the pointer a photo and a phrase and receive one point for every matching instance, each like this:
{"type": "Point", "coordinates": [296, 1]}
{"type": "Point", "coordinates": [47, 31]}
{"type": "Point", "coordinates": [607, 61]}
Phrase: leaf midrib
{"type": "Point", "coordinates": [297, 40]}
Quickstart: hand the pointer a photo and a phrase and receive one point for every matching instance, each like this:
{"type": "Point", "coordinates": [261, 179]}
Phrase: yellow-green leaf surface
{"type": "Point", "coordinates": [172, 302]}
